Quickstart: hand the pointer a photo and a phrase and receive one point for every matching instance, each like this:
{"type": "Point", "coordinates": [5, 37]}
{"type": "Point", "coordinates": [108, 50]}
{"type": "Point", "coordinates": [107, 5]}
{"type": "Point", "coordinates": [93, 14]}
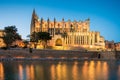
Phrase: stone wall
{"type": "Point", "coordinates": [117, 55]}
{"type": "Point", "coordinates": [48, 54]}
{"type": "Point", "coordinates": [61, 54]}
{"type": "Point", "coordinates": [108, 55]}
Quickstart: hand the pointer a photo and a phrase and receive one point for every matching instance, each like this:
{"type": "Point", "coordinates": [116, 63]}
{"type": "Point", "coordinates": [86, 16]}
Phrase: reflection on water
{"type": "Point", "coordinates": [52, 70]}
{"type": "Point", "coordinates": [29, 72]}
{"type": "Point", "coordinates": [105, 70]}
{"type": "Point", "coordinates": [75, 71]}
{"type": "Point", "coordinates": [118, 72]}
{"type": "Point", "coordinates": [98, 69]}
{"type": "Point", "coordinates": [59, 71]}
{"type": "Point", "coordinates": [1, 71]}
{"type": "Point", "coordinates": [83, 70]}
{"type": "Point", "coordinates": [20, 72]}
{"type": "Point", "coordinates": [91, 71]}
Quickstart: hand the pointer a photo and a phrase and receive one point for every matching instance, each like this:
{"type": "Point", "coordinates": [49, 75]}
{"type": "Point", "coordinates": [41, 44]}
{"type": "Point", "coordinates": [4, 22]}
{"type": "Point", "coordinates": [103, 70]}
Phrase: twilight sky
{"type": "Point", "coordinates": [104, 14]}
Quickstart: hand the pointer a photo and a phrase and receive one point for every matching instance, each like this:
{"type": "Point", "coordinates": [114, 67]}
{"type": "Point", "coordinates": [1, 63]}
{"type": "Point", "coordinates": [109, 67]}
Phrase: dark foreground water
{"type": "Point", "coordinates": [51, 70]}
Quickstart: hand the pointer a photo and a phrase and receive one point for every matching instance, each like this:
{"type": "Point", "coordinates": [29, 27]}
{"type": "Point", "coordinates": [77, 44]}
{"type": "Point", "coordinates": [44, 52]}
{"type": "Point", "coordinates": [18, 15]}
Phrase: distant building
{"type": "Point", "coordinates": [117, 46]}
{"type": "Point", "coordinates": [68, 34]}
{"type": "Point", "coordinates": [109, 45]}
{"type": "Point", "coordinates": [2, 44]}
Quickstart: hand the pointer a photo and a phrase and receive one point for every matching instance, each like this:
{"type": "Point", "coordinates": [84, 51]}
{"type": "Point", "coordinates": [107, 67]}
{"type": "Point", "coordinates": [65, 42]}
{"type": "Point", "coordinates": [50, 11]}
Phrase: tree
{"type": "Point", "coordinates": [8, 39]}
{"type": "Point", "coordinates": [33, 38]}
{"type": "Point", "coordinates": [11, 35]}
{"type": "Point", "coordinates": [10, 29]}
{"type": "Point", "coordinates": [43, 36]}
{"type": "Point", "coordinates": [25, 43]}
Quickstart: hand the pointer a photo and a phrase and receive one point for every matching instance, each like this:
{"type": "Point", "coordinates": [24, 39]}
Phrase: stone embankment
{"type": "Point", "coordinates": [108, 55]}
{"type": "Point", "coordinates": [25, 54]}
{"type": "Point", "coordinates": [117, 55]}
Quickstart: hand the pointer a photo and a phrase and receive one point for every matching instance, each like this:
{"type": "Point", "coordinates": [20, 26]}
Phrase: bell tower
{"type": "Point", "coordinates": [34, 20]}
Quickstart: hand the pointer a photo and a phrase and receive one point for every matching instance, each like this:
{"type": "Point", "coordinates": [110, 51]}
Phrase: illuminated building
{"type": "Point", "coordinates": [2, 44]}
{"type": "Point", "coordinates": [109, 45]}
{"type": "Point", "coordinates": [68, 34]}
{"type": "Point", "coordinates": [117, 46]}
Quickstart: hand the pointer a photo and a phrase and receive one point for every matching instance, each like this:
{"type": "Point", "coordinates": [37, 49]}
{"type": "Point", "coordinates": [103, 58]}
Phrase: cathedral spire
{"type": "Point", "coordinates": [63, 19]}
{"type": "Point", "coordinates": [33, 21]}
{"type": "Point", "coordinates": [54, 20]}
{"type": "Point", "coordinates": [54, 26]}
{"type": "Point", "coordinates": [48, 21]}
{"type": "Point", "coordinates": [63, 25]}
{"type": "Point", "coordinates": [34, 15]}
{"type": "Point", "coordinates": [34, 11]}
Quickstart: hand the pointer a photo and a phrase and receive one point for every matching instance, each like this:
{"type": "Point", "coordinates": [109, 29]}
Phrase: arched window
{"type": "Point", "coordinates": [58, 42]}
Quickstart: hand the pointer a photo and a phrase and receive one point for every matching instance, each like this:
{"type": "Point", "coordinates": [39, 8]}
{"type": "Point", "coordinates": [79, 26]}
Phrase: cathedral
{"type": "Point", "coordinates": [67, 35]}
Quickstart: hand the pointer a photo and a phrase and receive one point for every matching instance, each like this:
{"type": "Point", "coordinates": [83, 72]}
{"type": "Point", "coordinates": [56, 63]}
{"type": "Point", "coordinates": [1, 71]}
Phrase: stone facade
{"type": "Point", "coordinates": [117, 46]}
{"type": "Point", "coordinates": [2, 44]}
{"type": "Point", "coordinates": [68, 34]}
{"type": "Point", "coordinates": [109, 45]}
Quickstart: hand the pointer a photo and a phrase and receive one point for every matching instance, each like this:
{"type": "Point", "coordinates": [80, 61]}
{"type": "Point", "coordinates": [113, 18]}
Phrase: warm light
{"type": "Point", "coordinates": [98, 69]}
{"type": "Point", "coordinates": [36, 57]}
{"type": "Point", "coordinates": [64, 71]}
{"type": "Point", "coordinates": [27, 72]}
{"type": "Point", "coordinates": [20, 72]}
{"type": "Point", "coordinates": [19, 57]}
{"type": "Point", "coordinates": [49, 57]}
{"type": "Point", "coordinates": [105, 70]}
{"type": "Point", "coordinates": [1, 71]}
{"type": "Point", "coordinates": [91, 71]}
{"type": "Point", "coordinates": [58, 48]}
{"type": "Point", "coordinates": [59, 71]}
{"type": "Point", "coordinates": [52, 69]}
{"type": "Point", "coordinates": [30, 72]}
{"type": "Point", "coordinates": [62, 57]}
{"type": "Point", "coordinates": [75, 62]}
{"type": "Point", "coordinates": [85, 70]}
{"type": "Point", "coordinates": [91, 46]}
{"type": "Point", "coordinates": [75, 71]}
{"type": "Point", "coordinates": [58, 42]}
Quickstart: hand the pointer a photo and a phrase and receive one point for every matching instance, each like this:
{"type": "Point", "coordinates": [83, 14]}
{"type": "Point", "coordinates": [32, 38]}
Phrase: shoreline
{"type": "Point", "coordinates": [19, 54]}
{"type": "Point", "coordinates": [53, 59]}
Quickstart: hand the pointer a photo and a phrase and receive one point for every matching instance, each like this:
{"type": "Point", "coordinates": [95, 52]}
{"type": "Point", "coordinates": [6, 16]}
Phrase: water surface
{"type": "Point", "coordinates": [60, 70]}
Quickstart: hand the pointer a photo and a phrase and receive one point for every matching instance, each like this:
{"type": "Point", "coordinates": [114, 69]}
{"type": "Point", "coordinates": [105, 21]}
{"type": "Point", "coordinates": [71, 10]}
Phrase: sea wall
{"type": "Point", "coordinates": [61, 54]}
{"type": "Point", "coordinates": [117, 55]}
{"type": "Point", "coordinates": [20, 53]}
{"type": "Point", "coordinates": [108, 55]}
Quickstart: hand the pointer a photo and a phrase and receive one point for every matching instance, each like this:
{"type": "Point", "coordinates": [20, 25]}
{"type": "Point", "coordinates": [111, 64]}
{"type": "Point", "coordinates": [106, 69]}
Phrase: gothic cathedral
{"type": "Point", "coordinates": [67, 35]}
